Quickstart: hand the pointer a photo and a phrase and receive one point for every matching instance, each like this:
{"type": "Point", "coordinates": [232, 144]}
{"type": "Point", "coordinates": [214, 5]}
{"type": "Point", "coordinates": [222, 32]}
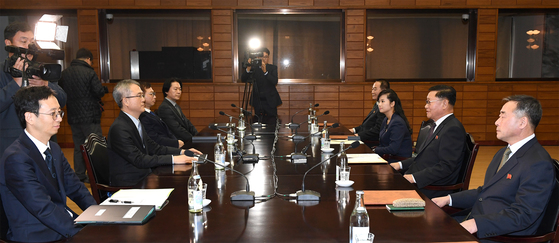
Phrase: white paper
{"type": "Point", "coordinates": [155, 197]}
{"type": "Point", "coordinates": [364, 158]}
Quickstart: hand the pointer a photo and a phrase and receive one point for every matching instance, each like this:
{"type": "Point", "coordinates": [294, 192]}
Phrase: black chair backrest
{"type": "Point", "coordinates": [423, 133]}
{"type": "Point", "coordinates": [550, 219]}
{"type": "Point", "coordinates": [470, 153]}
{"type": "Point", "coordinates": [3, 222]}
{"type": "Point", "coordinates": [99, 157]}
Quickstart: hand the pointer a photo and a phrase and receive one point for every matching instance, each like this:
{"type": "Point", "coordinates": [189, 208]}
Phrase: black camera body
{"type": "Point", "coordinates": [255, 59]}
{"type": "Point", "coordinates": [44, 71]}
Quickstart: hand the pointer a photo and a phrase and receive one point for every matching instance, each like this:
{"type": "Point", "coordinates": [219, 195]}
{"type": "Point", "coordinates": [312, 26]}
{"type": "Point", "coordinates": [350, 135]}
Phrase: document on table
{"type": "Point", "coordinates": [383, 197]}
{"type": "Point", "coordinates": [365, 159]}
{"type": "Point", "coordinates": [346, 142]}
{"type": "Point", "coordinates": [155, 197]}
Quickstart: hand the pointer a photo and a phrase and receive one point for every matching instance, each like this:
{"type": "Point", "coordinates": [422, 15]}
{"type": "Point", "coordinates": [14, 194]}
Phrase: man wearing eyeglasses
{"type": "Point", "coordinates": [441, 155]}
{"type": "Point", "coordinates": [18, 34]}
{"type": "Point", "coordinates": [265, 98]}
{"type": "Point", "coordinates": [132, 152]}
{"type": "Point", "coordinates": [84, 104]}
{"type": "Point", "coordinates": [35, 177]}
{"type": "Point", "coordinates": [370, 128]}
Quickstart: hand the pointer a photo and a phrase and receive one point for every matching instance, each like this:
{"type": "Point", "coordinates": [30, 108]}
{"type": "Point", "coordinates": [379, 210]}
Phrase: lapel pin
{"type": "Point", "coordinates": [509, 176]}
{"type": "Point", "coordinates": [437, 137]}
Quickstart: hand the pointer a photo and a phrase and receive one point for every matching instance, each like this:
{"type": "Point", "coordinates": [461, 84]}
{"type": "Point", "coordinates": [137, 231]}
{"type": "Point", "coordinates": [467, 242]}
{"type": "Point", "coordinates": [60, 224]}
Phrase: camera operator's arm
{"type": "Point", "coordinates": [245, 74]}
{"type": "Point", "coordinates": [272, 75]}
{"type": "Point", "coordinates": [8, 88]}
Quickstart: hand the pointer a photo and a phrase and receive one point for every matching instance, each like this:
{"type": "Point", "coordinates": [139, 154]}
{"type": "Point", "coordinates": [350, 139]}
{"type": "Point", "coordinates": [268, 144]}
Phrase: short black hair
{"type": "Point", "coordinates": [167, 85]}
{"type": "Point", "coordinates": [145, 85]}
{"type": "Point", "coordinates": [14, 27]}
{"type": "Point", "coordinates": [84, 53]}
{"type": "Point", "coordinates": [27, 100]}
{"type": "Point", "coordinates": [264, 49]}
{"type": "Point", "coordinates": [527, 106]}
{"type": "Point", "coordinates": [384, 85]}
{"type": "Point", "coordinates": [445, 92]}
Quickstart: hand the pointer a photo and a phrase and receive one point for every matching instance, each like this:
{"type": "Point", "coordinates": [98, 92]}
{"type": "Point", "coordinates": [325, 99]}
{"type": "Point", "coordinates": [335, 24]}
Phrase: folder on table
{"type": "Point", "coordinates": [154, 197]}
{"type": "Point", "coordinates": [384, 197]}
{"type": "Point", "coordinates": [369, 158]}
{"type": "Point", "coordinates": [116, 214]}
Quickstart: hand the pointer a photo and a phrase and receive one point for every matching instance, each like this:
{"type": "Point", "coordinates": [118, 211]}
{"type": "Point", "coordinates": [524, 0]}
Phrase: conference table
{"type": "Point", "coordinates": [275, 215]}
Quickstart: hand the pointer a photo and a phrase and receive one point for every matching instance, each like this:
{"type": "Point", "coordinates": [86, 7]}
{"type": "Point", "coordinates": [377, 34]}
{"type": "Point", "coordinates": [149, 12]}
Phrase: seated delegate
{"type": "Point", "coordinates": [395, 132]}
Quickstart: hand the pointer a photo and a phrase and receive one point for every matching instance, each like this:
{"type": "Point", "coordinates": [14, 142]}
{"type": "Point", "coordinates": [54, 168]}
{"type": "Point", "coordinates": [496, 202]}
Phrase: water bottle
{"type": "Point", "coordinates": [241, 126]}
{"type": "Point", "coordinates": [195, 200]}
{"type": "Point", "coordinates": [359, 219]}
{"type": "Point", "coordinates": [314, 124]}
{"type": "Point", "coordinates": [325, 141]}
{"type": "Point", "coordinates": [219, 153]}
{"type": "Point", "coordinates": [341, 161]}
{"type": "Point", "coordinates": [310, 113]}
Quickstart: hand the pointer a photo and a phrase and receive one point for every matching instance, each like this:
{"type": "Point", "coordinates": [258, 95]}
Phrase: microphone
{"type": "Point", "coordinates": [241, 195]}
{"type": "Point", "coordinates": [256, 124]}
{"type": "Point", "coordinates": [325, 113]}
{"type": "Point", "coordinates": [310, 195]}
{"type": "Point", "coordinates": [225, 114]}
{"type": "Point", "coordinates": [294, 125]}
{"type": "Point", "coordinates": [247, 158]}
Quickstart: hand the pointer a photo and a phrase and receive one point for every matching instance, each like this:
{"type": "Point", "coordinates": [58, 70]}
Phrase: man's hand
{"type": "Point", "coordinates": [441, 201]}
{"type": "Point", "coordinates": [195, 151]}
{"type": "Point", "coordinates": [470, 225]}
{"type": "Point", "coordinates": [249, 62]}
{"type": "Point", "coordinates": [263, 67]}
{"type": "Point", "coordinates": [409, 177]}
{"type": "Point", "coordinates": [37, 81]}
{"type": "Point", "coordinates": [181, 143]}
{"type": "Point", "coordinates": [352, 130]}
{"type": "Point", "coordinates": [395, 165]}
{"type": "Point", "coordinates": [183, 159]}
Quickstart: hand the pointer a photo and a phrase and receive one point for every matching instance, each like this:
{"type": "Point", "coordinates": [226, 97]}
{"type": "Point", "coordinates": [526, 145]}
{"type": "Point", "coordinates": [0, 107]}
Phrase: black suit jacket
{"type": "Point", "coordinates": [157, 130]}
{"type": "Point", "coordinates": [179, 125]}
{"type": "Point", "coordinates": [265, 85]}
{"type": "Point", "coordinates": [512, 200]}
{"type": "Point", "coordinates": [439, 160]}
{"type": "Point", "coordinates": [370, 128]}
{"type": "Point", "coordinates": [34, 202]}
{"type": "Point", "coordinates": [130, 162]}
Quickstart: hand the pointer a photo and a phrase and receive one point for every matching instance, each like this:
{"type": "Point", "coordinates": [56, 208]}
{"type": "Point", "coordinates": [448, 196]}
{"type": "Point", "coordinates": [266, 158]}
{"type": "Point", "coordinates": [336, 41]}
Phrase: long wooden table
{"type": "Point", "coordinates": [279, 218]}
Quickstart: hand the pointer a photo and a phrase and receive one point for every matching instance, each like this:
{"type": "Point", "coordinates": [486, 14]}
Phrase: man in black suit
{"type": "Point", "coordinates": [35, 177]}
{"type": "Point", "coordinates": [132, 152]}
{"type": "Point", "coordinates": [370, 128]}
{"type": "Point", "coordinates": [265, 98]}
{"type": "Point", "coordinates": [171, 113]}
{"type": "Point", "coordinates": [441, 155]}
{"type": "Point", "coordinates": [518, 182]}
{"type": "Point", "coordinates": [156, 128]}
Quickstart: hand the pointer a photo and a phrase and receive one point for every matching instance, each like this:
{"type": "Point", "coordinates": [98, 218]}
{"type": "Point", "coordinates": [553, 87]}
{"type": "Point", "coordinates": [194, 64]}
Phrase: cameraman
{"type": "Point", "coordinates": [265, 97]}
{"type": "Point", "coordinates": [18, 34]}
{"type": "Point", "coordinates": [84, 104]}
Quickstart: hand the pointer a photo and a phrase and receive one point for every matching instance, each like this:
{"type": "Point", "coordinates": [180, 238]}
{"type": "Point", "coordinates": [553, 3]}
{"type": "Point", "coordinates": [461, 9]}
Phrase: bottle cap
{"type": "Point", "coordinates": [360, 192]}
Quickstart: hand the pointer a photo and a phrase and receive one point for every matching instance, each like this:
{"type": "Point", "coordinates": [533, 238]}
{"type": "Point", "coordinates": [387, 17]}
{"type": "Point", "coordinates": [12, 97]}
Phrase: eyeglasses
{"type": "Point", "coordinates": [54, 114]}
{"type": "Point", "coordinates": [428, 102]}
{"type": "Point", "coordinates": [136, 96]}
{"type": "Point", "coordinates": [151, 93]}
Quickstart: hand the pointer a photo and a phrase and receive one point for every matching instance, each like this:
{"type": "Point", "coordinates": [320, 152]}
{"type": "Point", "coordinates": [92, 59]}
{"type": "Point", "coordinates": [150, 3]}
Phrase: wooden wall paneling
{"type": "Point", "coordinates": [199, 3]}
{"type": "Point", "coordinates": [355, 22]}
{"type": "Point", "coordinates": [222, 46]}
{"type": "Point", "coordinates": [88, 33]}
{"type": "Point", "coordinates": [486, 45]}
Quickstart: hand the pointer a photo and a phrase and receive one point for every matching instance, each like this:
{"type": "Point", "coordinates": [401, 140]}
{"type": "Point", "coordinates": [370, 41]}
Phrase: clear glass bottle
{"type": "Point", "coordinates": [359, 219]}
{"type": "Point", "coordinates": [341, 161]}
{"type": "Point", "coordinates": [219, 153]}
{"type": "Point", "coordinates": [195, 195]}
{"type": "Point", "coordinates": [325, 140]}
{"type": "Point", "coordinates": [310, 113]}
{"type": "Point", "coordinates": [314, 124]}
{"type": "Point", "coordinates": [241, 126]}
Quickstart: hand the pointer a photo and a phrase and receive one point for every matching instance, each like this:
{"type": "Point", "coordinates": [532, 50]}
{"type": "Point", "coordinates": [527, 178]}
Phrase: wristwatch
{"type": "Point", "coordinates": [374, 148]}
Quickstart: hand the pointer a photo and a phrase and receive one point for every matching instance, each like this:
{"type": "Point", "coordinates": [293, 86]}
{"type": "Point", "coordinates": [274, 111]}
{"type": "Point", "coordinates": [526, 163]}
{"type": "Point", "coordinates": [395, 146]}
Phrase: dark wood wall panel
{"type": "Point", "coordinates": [355, 44]}
{"type": "Point", "coordinates": [486, 45]}
{"type": "Point", "coordinates": [222, 45]}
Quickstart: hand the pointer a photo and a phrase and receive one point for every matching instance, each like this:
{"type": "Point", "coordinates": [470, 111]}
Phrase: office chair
{"type": "Point", "coordinates": [547, 231]}
{"type": "Point", "coordinates": [96, 157]}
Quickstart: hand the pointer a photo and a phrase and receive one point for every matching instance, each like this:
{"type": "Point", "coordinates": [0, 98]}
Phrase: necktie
{"type": "Point", "coordinates": [432, 130]}
{"type": "Point", "coordinates": [141, 133]}
{"type": "Point", "coordinates": [180, 111]}
{"type": "Point", "coordinates": [504, 159]}
{"type": "Point", "coordinates": [48, 159]}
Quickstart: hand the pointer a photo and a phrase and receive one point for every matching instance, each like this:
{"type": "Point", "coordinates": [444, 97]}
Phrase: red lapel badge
{"type": "Point", "coordinates": [509, 176]}
{"type": "Point", "coordinates": [437, 137]}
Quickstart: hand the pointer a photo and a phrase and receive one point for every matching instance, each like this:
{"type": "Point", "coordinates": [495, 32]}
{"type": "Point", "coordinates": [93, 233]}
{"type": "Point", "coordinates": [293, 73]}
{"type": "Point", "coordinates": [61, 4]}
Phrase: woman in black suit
{"type": "Point", "coordinates": [395, 130]}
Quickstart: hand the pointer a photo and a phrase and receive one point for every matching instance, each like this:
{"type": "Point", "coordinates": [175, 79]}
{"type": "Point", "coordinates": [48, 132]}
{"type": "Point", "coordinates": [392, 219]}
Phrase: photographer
{"type": "Point", "coordinates": [18, 34]}
{"type": "Point", "coordinates": [84, 103]}
{"type": "Point", "coordinates": [265, 97]}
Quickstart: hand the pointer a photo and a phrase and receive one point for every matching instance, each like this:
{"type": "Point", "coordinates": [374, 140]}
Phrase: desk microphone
{"type": "Point", "coordinates": [225, 114]}
{"type": "Point", "coordinates": [241, 195]}
{"type": "Point", "coordinates": [325, 113]}
{"type": "Point", "coordinates": [256, 124]}
{"type": "Point", "coordinates": [310, 195]}
{"type": "Point", "coordinates": [252, 158]}
{"type": "Point", "coordinates": [295, 125]}
{"type": "Point", "coordinates": [335, 125]}
{"type": "Point", "coordinates": [299, 137]}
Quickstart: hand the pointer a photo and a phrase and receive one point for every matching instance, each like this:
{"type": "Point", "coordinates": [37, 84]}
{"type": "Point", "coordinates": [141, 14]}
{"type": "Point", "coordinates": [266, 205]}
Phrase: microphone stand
{"type": "Point", "coordinates": [245, 157]}
{"type": "Point", "coordinates": [242, 195]}
{"type": "Point", "coordinates": [310, 195]}
{"type": "Point", "coordinates": [295, 125]}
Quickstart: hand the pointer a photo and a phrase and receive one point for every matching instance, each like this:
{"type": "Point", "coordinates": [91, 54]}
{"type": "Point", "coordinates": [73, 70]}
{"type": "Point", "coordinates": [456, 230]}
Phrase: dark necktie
{"type": "Point", "coordinates": [431, 131]}
{"type": "Point", "coordinates": [179, 111]}
{"type": "Point", "coordinates": [504, 159]}
{"type": "Point", "coordinates": [50, 164]}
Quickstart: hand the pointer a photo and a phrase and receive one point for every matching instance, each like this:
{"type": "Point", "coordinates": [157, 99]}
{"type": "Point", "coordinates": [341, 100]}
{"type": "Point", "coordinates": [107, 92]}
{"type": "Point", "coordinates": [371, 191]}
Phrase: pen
{"type": "Point", "coordinates": [117, 201]}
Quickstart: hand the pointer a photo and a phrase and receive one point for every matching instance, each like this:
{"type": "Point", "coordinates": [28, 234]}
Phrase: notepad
{"type": "Point", "coordinates": [384, 197]}
{"type": "Point", "coordinates": [116, 214]}
{"type": "Point", "coordinates": [391, 207]}
{"type": "Point", "coordinates": [346, 142]}
{"type": "Point", "coordinates": [369, 158]}
{"type": "Point", "coordinates": [154, 197]}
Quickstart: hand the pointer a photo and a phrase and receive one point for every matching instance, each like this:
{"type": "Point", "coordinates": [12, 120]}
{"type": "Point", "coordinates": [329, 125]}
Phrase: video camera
{"type": "Point", "coordinates": [255, 58]}
{"type": "Point", "coordinates": [44, 71]}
